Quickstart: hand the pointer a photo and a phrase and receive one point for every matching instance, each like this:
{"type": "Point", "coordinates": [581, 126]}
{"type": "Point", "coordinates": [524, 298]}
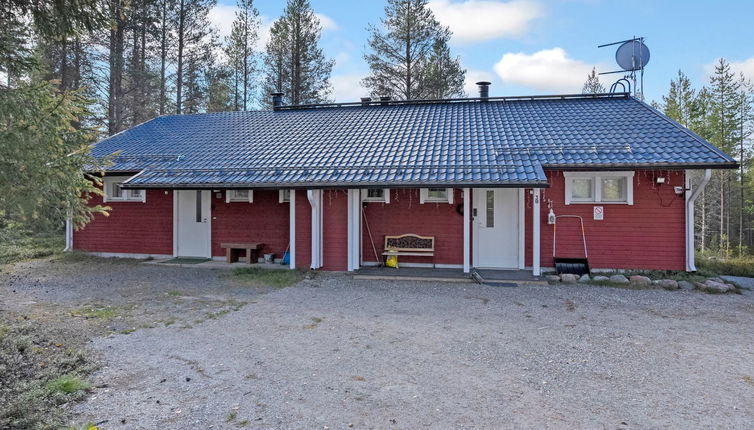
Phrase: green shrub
{"type": "Point", "coordinates": [737, 266]}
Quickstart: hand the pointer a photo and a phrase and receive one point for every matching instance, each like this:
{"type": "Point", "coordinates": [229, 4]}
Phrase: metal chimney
{"type": "Point", "coordinates": [484, 89]}
{"type": "Point", "coordinates": [277, 100]}
{"type": "Point", "coordinates": [385, 100]}
{"type": "Point", "coordinates": [366, 101]}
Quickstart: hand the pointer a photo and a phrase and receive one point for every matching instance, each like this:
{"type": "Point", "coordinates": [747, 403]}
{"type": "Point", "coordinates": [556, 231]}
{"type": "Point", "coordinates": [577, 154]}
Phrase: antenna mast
{"type": "Point", "coordinates": [632, 56]}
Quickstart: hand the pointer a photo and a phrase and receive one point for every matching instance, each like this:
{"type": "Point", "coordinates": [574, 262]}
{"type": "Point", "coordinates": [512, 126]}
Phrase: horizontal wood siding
{"type": "Point", "coordinates": [404, 214]}
{"type": "Point", "coordinates": [650, 234]}
{"type": "Point", "coordinates": [131, 227]}
{"type": "Point", "coordinates": [265, 220]}
{"type": "Point", "coordinates": [335, 229]}
{"type": "Point", "coordinates": [303, 231]}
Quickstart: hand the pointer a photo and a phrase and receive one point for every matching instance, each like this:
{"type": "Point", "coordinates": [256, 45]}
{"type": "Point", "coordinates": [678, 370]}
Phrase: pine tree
{"type": "Point", "coordinates": [679, 103]}
{"type": "Point", "coordinates": [220, 91]}
{"type": "Point", "coordinates": [724, 121]}
{"type": "Point", "coordinates": [593, 84]}
{"type": "Point", "coordinates": [192, 34]}
{"type": "Point", "coordinates": [294, 64]}
{"type": "Point", "coordinates": [402, 50]}
{"type": "Point", "coordinates": [240, 52]}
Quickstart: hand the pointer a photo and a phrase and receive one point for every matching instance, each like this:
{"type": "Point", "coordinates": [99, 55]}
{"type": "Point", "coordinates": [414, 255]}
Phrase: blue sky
{"type": "Point", "coordinates": [544, 47]}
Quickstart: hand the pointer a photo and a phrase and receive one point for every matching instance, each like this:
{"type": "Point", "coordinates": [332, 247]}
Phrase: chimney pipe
{"type": "Point", "coordinates": [277, 100]}
{"type": "Point", "coordinates": [484, 89]}
{"type": "Point", "coordinates": [385, 100]}
{"type": "Point", "coordinates": [366, 101]}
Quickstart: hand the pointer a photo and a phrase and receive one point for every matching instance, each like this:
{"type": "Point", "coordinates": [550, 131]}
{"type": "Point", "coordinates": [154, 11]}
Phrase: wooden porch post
{"type": "Point", "coordinates": [466, 230]}
{"type": "Point", "coordinates": [535, 219]}
{"type": "Point", "coordinates": [292, 230]}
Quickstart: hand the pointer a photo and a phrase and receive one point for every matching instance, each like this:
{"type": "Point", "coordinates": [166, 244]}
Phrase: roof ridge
{"type": "Point", "coordinates": [720, 153]}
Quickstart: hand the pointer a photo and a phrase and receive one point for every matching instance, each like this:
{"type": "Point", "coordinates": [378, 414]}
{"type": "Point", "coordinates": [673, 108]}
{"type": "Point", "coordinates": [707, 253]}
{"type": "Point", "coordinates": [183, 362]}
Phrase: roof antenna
{"type": "Point", "coordinates": [632, 56]}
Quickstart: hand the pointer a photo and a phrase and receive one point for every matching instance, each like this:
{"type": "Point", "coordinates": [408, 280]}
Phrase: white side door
{"type": "Point", "coordinates": [193, 218]}
{"type": "Point", "coordinates": [496, 222]}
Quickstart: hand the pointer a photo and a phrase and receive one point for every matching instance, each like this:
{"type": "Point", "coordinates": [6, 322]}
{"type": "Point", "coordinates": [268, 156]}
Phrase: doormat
{"type": "Point", "coordinates": [185, 260]}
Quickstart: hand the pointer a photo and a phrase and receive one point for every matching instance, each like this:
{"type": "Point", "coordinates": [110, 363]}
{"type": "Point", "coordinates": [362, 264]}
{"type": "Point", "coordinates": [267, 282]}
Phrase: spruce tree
{"type": "Point", "coordinates": [241, 55]}
{"type": "Point", "coordinates": [593, 84]}
{"type": "Point", "coordinates": [402, 51]}
{"type": "Point", "coordinates": [294, 64]}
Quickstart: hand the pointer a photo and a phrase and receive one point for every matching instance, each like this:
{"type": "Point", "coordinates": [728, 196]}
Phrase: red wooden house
{"type": "Point", "coordinates": [484, 177]}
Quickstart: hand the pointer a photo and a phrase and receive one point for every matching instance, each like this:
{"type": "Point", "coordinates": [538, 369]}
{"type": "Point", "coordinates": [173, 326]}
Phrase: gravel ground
{"type": "Point", "coordinates": [334, 352]}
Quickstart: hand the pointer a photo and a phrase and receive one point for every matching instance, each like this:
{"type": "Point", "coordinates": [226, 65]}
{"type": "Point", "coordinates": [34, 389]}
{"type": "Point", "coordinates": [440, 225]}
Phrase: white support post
{"type": "Point", "coordinates": [466, 230]}
{"type": "Point", "coordinates": [315, 200]}
{"type": "Point", "coordinates": [292, 230]}
{"type": "Point", "coordinates": [535, 219]}
{"type": "Point", "coordinates": [691, 196]}
{"type": "Point", "coordinates": [354, 229]}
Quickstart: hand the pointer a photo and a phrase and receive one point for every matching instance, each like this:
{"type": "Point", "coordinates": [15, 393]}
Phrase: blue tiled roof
{"type": "Point", "coordinates": [457, 143]}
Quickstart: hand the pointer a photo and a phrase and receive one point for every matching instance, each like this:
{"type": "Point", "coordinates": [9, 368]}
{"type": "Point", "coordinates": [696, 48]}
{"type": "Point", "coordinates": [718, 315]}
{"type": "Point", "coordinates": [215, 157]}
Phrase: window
{"type": "Point", "coordinates": [239, 196]}
{"type": "Point", "coordinates": [490, 208]}
{"type": "Point", "coordinates": [114, 192]}
{"type": "Point", "coordinates": [436, 195]}
{"type": "Point", "coordinates": [380, 195]}
{"type": "Point", "coordinates": [599, 187]}
{"type": "Point", "coordinates": [284, 196]}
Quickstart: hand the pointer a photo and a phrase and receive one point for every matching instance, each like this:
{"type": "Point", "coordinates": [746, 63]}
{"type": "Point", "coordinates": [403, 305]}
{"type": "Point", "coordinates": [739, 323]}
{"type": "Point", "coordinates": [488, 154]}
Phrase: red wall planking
{"type": "Point", "coordinates": [265, 220]}
{"type": "Point", "coordinates": [335, 229]}
{"type": "Point", "coordinates": [650, 234]}
{"type": "Point", "coordinates": [404, 214]}
{"type": "Point", "coordinates": [303, 231]}
{"type": "Point", "coordinates": [132, 227]}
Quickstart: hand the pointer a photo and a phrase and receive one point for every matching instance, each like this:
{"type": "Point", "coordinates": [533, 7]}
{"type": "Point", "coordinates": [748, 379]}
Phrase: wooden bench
{"type": "Point", "coordinates": [232, 251]}
{"type": "Point", "coordinates": [410, 245]}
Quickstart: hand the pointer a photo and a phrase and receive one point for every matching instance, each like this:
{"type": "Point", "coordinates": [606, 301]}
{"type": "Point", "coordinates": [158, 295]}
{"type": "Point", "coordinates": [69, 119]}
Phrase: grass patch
{"type": "Point", "coordinates": [18, 246]}
{"type": "Point", "coordinates": [68, 384]}
{"type": "Point", "coordinates": [278, 278]}
{"type": "Point", "coordinates": [739, 266]}
{"type": "Point", "coordinates": [42, 368]}
{"type": "Point", "coordinates": [104, 312]}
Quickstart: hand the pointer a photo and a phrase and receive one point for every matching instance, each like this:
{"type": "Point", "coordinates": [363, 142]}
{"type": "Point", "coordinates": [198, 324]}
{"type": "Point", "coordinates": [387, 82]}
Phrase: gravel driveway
{"type": "Point", "coordinates": [332, 352]}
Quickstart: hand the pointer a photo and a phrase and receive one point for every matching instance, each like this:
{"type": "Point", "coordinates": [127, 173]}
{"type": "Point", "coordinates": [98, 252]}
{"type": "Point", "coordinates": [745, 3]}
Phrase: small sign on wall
{"type": "Point", "coordinates": [599, 213]}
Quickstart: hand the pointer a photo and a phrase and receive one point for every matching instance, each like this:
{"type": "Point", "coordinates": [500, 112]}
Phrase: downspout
{"type": "Point", "coordinates": [68, 232]}
{"type": "Point", "coordinates": [691, 196]}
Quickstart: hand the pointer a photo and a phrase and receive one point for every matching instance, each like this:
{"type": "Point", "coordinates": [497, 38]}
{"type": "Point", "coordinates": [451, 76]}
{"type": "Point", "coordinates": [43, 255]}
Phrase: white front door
{"type": "Point", "coordinates": [496, 221]}
{"type": "Point", "coordinates": [193, 229]}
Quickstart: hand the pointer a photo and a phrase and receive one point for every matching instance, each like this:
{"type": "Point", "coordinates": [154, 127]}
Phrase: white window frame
{"type": "Point", "coordinates": [597, 178]}
{"type": "Point", "coordinates": [126, 195]}
{"type": "Point", "coordinates": [384, 199]}
{"type": "Point", "coordinates": [424, 196]}
{"type": "Point", "coordinates": [284, 196]}
{"type": "Point", "coordinates": [230, 196]}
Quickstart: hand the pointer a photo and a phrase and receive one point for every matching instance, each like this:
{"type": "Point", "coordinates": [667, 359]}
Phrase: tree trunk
{"type": "Point", "coordinates": [179, 70]}
{"type": "Point", "coordinates": [163, 56]}
{"type": "Point", "coordinates": [115, 90]}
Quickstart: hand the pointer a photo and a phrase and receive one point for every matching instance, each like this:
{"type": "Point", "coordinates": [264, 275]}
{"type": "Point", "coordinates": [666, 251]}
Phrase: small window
{"type": "Point", "coordinates": [490, 208]}
{"type": "Point", "coordinates": [239, 196]}
{"type": "Point", "coordinates": [379, 195]}
{"type": "Point", "coordinates": [436, 195]}
{"type": "Point", "coordinates": [114, 191]}
{"type": "Point", "coordinates": [614, 189]}
{"type": "Point", "coordinates": [599, 187]}
{"type": "Point", "coordinates": [284, 196]}
{"type": "Point", "coordinates": [582, 189]}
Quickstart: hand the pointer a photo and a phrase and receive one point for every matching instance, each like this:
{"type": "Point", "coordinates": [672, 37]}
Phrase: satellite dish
{"type": "Point", "coordinates": [632, 55]}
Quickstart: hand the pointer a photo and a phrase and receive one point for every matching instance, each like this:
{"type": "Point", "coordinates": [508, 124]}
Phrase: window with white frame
{"type": "Point", "coordinates": [379, 195]}
{"type": "Point", "coordinates": [284, 196]}
{"type": "Point", "coordinates": [599, 187]}
{"type": "Point", "coordinates": [239, 196]}
{"type": "Point", "coordinates": [114, 191]}
{"type": "Point", "coordinates": [436, 195]}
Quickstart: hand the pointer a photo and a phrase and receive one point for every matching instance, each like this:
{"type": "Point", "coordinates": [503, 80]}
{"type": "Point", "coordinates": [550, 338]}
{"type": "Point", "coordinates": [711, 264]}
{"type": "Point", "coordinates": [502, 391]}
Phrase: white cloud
{"type": "Point", "coordinates": [549, 69]}
{"type": "Point", "coordinates": [222, 15]}
{"type": "Point", "coordinates": [746, 67]}
{"type": "Point", "coordinates": [327, 22]}
{"type": "Point", "coordinates": [347, 87]}
{"type": "Point", "coordinates": [472, 77]}
{"type": "Point", "coordinates": [477, 20]}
